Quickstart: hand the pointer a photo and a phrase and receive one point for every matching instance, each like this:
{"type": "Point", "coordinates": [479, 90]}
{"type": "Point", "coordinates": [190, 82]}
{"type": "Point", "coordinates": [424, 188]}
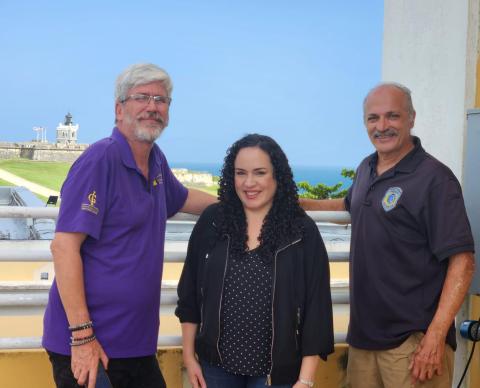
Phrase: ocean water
{"type": "Point", "coordinates": [312, 174]}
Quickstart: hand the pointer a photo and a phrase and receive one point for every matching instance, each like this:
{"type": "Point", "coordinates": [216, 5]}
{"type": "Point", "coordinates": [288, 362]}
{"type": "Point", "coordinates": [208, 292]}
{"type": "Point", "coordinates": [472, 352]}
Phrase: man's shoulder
{"type": "Point", "coordinates": [364, 165]}
{"type": "Point", "coordinates": [107, 145]}
{"type": "Point", "coordinates": [101, 149]}
{"type": "Point", "coordinates": [366, 160]}
{"type": "Point", "coordinates": [435, 169]}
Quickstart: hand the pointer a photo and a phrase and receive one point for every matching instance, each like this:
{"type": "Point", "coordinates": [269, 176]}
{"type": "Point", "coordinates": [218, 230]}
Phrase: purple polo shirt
{"type": "Point", "coordinates": [106, 197]}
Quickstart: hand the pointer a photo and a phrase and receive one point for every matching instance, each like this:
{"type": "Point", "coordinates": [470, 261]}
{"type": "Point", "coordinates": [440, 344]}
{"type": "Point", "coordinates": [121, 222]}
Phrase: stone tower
{"type": "Point", "coordinates": [67, 132]}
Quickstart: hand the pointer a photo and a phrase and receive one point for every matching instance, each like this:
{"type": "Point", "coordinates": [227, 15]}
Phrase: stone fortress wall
{"type": "Point", "coordinates": [193, 177]}
{"type": "Point", "coordinates": [41, 151]}
{"type": "Point", "coordinates": [66, 149]}
{"type": "Point", "coordinates": [47, 152]}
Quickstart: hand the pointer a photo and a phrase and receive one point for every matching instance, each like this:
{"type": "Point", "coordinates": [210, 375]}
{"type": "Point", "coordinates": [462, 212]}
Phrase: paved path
{"type": "Point", "coordinates": [33, 187]}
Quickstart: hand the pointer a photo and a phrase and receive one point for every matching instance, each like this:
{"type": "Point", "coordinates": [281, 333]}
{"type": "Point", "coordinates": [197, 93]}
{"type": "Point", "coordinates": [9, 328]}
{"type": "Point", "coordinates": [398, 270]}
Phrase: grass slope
{"type": "Point", "coordinates": [48, 174]}
{"type": "Point", "coordinates": [52, 174]}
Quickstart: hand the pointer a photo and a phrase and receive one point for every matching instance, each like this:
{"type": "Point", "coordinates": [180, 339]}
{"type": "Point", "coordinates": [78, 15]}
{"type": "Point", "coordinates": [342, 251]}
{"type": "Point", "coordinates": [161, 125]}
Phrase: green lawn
{"type": "Point", "coordinates": [44, 199]}
{"type": "Point", "coordinates": [48, 174]}
{"type": "Point", "coordinates": [52, 174]}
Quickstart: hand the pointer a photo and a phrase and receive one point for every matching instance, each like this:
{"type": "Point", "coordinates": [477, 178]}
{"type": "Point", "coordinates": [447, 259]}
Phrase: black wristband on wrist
{"type": "Point", "coordinates": [81, 326]}
{"type": "Point", "coordinates": [82, 341]}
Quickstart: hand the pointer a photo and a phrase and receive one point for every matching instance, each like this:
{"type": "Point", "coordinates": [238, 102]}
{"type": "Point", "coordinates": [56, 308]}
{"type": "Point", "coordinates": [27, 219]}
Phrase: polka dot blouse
{"type": "Point", "coordinates": [246, 319]}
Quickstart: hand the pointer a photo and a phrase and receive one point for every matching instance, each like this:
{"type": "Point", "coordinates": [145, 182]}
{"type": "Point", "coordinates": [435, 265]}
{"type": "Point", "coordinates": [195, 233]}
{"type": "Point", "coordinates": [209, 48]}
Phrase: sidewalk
{"type": "Point", "coordinates": [33, 187]}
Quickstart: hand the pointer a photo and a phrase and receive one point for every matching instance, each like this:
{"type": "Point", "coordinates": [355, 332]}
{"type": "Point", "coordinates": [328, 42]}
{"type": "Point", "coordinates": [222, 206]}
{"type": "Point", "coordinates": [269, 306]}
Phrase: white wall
{"type": "Point", "coordinates": [430, 46]}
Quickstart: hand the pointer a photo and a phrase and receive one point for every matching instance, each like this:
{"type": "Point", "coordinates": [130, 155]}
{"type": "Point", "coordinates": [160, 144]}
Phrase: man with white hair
{"type": "Point", "coordinates": [411, 258]}
{"type": "Point", "coordinates": [109, 242]}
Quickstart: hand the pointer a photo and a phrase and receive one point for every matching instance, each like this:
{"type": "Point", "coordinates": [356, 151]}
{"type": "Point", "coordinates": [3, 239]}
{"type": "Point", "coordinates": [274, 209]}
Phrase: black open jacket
{"type": "Point", "coordinates": [302, 306]}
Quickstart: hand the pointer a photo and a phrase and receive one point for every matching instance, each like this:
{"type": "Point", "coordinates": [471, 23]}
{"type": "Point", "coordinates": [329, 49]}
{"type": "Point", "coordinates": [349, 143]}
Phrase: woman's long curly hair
{"type": "Point", "coordinates": [282, 221]}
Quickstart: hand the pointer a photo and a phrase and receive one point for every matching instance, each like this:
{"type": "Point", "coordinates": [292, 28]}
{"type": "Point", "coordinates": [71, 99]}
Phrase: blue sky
{"type": "Point", "coordinates": [296, 71]}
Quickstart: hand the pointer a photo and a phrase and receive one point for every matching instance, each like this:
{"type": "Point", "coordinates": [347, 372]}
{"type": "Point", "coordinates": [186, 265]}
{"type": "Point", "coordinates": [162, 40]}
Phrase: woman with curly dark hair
{"type": "Point", "coordinates": [254, 295]}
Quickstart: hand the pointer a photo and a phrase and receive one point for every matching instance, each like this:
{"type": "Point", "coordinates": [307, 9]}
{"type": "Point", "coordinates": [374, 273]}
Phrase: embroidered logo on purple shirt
{"type": "Point", "coordinates": [158, 180]}
{"type": "Point", "coordinates": [90, 207]}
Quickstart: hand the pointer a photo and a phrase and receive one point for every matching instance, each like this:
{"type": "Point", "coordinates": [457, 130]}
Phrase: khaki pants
{"type": "Point", "coordinates": [389, 368]}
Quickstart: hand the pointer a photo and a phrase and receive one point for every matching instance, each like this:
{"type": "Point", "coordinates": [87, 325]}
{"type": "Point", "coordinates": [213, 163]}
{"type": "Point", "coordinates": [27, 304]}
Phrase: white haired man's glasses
{"type": "Point", "coordinates": [144, 99]}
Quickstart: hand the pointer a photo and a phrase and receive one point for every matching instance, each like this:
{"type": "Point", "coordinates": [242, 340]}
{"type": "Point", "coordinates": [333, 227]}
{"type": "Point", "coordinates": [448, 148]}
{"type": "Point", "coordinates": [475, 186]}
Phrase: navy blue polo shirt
{"type": "Point", "coordinates": [124, 216]}
{"type": "Point", "coordinates": [405, 225]}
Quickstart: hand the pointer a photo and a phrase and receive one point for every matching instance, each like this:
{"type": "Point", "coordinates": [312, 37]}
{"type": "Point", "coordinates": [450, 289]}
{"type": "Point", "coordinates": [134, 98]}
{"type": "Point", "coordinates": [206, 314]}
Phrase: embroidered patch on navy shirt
{"type": "Point", "coordinates": [90, 207]}
{"type": "Point", "coordinates": [391, 197]}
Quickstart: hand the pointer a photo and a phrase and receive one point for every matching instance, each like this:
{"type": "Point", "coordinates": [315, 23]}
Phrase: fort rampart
{"type": "Point", "coordinates": [41, 151]}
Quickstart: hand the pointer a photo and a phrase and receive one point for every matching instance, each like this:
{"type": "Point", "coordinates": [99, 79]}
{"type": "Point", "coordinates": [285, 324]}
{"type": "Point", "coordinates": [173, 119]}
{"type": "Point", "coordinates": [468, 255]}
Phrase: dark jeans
{"type": "Point", "coordinates": [217, 377]}
{"type": "Point", "coordinates": [137, 372]}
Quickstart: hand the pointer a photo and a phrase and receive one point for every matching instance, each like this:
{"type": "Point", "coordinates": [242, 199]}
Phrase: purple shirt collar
{"type": "Point", "coordinates": [127, 155]}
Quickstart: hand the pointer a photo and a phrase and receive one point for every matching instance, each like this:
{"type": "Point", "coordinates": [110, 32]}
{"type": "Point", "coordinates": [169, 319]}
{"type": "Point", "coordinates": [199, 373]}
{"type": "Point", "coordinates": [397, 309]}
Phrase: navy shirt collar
{"type": "Point", "coordinates": [409, 162]}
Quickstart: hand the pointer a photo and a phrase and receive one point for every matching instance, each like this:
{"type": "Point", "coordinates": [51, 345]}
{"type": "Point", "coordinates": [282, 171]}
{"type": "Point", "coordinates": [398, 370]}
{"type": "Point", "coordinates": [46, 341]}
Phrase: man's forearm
{"type": "Point", "coordinates": [428, 357]}
{"type": "Point", "coordinates": [197, 201]}
{"type": "Point", "coordinates": [323, 204]}
{"type": "Point", "coordinates": [459, 275]}
{"type": "Point", "coordinates": [69, 276]}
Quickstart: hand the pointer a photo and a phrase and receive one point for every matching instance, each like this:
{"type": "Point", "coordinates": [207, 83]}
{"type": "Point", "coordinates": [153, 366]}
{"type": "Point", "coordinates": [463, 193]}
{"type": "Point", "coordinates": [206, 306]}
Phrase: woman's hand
{"type": "Point", "coordinates": [194, 371]}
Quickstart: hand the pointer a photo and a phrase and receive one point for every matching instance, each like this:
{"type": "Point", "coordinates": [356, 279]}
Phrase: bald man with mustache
{"type": "Point", "coordinates": [411, 254]}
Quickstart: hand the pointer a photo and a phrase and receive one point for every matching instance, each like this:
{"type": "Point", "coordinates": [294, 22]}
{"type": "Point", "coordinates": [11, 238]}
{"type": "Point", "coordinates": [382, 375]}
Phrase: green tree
{"type": "Point", "coordinates": [323, 191]}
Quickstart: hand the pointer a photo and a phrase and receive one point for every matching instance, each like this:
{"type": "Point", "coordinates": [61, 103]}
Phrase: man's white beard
{"type": "Point", "coordinates": [147, 135]}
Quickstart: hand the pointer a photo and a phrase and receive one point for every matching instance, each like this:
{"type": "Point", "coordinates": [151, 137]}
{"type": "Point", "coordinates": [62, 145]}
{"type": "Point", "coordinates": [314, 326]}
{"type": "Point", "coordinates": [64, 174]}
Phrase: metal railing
{"type": "Point", "coordinates": [30, 298]}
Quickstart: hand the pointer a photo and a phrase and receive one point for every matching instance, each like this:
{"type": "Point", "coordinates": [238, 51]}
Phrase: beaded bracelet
{"type": "Point", "coordinates": [82, 341]}
{"type": "Point", "coordinates": [73, 339]}
{"type": "Point", "coordinates": [81, 326]}
{"type": "Point", "coordinates": [306, 382]}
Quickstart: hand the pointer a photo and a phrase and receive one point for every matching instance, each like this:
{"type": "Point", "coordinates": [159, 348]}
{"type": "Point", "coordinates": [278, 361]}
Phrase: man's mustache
{"type": "Point", "coordinates": [151, 115]}
{"type": "Point", "coordinates": [386, 133]}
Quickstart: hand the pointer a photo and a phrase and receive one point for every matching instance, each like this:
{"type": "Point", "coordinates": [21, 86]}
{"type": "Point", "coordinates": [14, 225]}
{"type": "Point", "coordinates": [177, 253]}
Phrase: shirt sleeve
{"type": "Point", "coordinates": [188, 308]}
{"type": "Point", "coordinates": [447, 225]}
{"type": "Point", "coordinates": [317, 333]}
{"type": "Point", "coordinates": [175, 192]}
{"type": "Point", "coordinates": [84, 196]}
{"type": "Point", "coordinates": [348, 198]}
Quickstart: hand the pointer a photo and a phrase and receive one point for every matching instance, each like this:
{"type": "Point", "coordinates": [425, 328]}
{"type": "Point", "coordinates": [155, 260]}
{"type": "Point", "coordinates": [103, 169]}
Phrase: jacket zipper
{"type": "Point", "coordinates": [201, 311]}
{"type": "Point", "coordinates": [201, 305]}
{"type": "Point", "coordinates": [221, 298]}
{"type": "Point", "coordinates": [269, 376]}
{"type": "Point", "coordinates": [297, 328]}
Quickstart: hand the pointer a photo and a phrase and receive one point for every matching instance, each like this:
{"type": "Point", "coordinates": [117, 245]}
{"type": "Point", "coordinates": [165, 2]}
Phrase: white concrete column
{"type": "Point", "coordinates": [431, 47]}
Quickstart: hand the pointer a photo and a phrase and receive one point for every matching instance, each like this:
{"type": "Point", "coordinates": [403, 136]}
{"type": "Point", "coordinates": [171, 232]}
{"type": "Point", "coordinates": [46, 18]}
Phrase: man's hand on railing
{"type": "Point", "coordinates": [85, 360]}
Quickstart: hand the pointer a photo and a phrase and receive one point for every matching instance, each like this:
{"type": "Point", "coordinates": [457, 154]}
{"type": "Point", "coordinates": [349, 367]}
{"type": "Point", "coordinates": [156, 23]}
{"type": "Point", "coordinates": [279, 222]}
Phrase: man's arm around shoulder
{"type": "Point", "coordinates": [337, 204]}
{"type": "Point", "coordinates": [197, 201]}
